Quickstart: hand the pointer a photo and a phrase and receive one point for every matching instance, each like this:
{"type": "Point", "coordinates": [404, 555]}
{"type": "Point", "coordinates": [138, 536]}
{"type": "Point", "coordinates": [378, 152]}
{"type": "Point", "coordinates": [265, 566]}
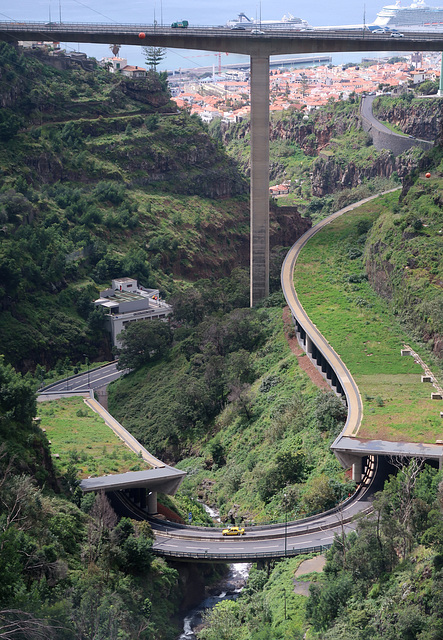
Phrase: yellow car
{"type": "Point", "coordinates": [233, 531]}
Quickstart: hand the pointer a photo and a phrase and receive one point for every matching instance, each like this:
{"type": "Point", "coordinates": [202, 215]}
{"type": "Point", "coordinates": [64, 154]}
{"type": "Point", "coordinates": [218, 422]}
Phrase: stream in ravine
{"type": "Point", "coordinates": [229, 589]}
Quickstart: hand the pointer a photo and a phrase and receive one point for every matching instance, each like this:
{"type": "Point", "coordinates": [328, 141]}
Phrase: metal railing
{"type": "Point", "coordinates": [215, 30]}
{"type": "Point", "coordinates": [205, 554]}
{"type": "Point", "coordinates": [46, 388]}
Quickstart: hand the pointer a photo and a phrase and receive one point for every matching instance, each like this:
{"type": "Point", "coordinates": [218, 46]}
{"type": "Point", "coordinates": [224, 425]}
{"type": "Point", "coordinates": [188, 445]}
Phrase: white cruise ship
{"type": "Point", "coordinates": [287, 22]}
{"type": "Point", "coordinates": [416, 17]}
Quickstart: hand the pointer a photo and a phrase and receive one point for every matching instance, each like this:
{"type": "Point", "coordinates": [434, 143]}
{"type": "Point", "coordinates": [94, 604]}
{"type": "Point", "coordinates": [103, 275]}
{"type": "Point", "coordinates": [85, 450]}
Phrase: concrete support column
{"type": "Point", "coordinates": [309, 346]}
{"type": "Point", "coordinates": [440, 89]}
{"type": "Point", "coordinates": [259, 178]}
{"type": "Point", "coordinates": [152, 503]}
{"type": "Point", "coordinates": [357, 470]}
{"type": "Point", "coordinates": [142, 498]}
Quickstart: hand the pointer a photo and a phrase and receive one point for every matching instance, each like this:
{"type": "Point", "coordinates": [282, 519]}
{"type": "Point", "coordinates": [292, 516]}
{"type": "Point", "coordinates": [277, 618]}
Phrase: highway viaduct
{"type": "Point", "coordinates": [134, 494]}
{"type": "Point", "coordinates": [259, 46]}
{"type": "Point", "coordinates": [315, 534]}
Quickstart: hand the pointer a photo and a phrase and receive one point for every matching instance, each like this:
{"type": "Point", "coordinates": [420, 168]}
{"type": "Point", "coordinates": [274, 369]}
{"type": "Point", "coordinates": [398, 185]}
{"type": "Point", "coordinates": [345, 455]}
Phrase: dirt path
{"type": "Point", "coordinates": [303, 359]}
{"type": "Point", "coordinates": [308, 566]}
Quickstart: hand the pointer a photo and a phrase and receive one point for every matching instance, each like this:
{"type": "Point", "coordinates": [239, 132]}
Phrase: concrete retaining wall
{"type": "Point", "coordinates": [383, 139]}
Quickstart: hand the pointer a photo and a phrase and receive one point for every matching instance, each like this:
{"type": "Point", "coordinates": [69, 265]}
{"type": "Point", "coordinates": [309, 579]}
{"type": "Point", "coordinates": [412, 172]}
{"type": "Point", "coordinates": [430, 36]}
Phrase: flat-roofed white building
{"type": "Point", "coordinates": [127, 301]}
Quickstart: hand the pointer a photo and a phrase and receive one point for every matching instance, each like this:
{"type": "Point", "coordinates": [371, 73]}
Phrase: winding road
{"type": "Point", "coordinates": [312, 534]}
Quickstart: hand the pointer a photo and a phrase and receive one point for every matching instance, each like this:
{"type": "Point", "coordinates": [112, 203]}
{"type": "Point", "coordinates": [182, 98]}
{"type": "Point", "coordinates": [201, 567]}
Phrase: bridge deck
{"type": "Point", "coordinates": [269, 43]}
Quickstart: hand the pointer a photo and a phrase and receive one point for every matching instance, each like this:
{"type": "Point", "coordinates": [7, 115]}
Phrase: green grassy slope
{"type": "Point", "coordinates": [333, 287]}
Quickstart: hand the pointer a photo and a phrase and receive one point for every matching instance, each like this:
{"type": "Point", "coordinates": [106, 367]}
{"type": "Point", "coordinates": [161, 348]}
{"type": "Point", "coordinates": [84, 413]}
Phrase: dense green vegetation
{"type": "Point", "coordinates": [404, 257]}
{"type": "Point", "coordinates": [231, 405]}
{"type": "Point", "coordinates": [101, 177]}
{"type": "Point", "coordinates": [385, 580]}
{"type": "Point", "coordinates": [69, 569]}
{"type": "Point", "coordinates": [267, 608]}
{"type": "Point", "coordinates": [98, 183]}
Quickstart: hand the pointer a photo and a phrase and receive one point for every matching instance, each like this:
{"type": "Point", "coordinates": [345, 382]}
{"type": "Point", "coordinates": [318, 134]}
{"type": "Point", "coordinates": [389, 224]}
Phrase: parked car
{"type": "Point", "coordinates": [233, 531]}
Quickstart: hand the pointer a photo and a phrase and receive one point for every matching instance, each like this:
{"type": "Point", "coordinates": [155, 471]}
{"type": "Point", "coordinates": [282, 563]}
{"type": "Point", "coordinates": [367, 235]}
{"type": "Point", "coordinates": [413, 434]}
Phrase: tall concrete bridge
{"type": "Point", "coordinates": [259, 46]}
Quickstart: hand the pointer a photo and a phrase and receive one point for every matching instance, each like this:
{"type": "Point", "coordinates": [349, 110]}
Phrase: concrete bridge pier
{"type": "Point", "coordinates": [440, 87]}
{"type": "Point", "coordinates": [259, 259]}
{"type": "Point", "coordinates": [152, 503]}
{"type": "Point", "coordinates": [357, 469]}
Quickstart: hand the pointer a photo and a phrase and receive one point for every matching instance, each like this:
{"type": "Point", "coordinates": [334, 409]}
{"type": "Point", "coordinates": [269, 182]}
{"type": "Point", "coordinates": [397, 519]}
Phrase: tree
{"type": "Point", "coordinates": [319, 494]}
{"type": "Point", "coordinates": [17, 395]}
{"type": "Point", "coordinates": [142, 342]}
{"type": "Point", "coordinates": [221, 622]}
{"type": "Point", "coordinates": [16, 623]}
{"type": "Point", "coordinates": [153, 56]}
{"type": "Point", "coordinates": [398, 503]}
{"type": "Point", "coordinates": [304, 84]}
{"type": "Point", "coordinates": [241, 396]}
{"type": "Point", "coordinates": [10, 123]}
{"type": "Point", "coordinates": [330, 412]}
{"type": "Point", "coordinates": [103, 520]}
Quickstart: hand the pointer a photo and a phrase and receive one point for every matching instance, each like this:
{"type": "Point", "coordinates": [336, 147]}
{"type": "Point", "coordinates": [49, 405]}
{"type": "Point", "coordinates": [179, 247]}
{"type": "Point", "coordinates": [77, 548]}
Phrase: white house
{"type": "Point", "coordinates": [134, 72]}
{"type": "Point", "coordinates": [114, 64]}
{"type": "Point", "coordinates": [127, 301]}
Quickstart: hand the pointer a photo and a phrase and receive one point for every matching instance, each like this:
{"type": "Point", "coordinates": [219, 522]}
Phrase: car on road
{"type": "Point", "coordinates": [397, 34]}
{"type": "Point", "coordinates": [257, 32]}
{"type": "Point", "coordinates": [238, 27]}
{"type": "Point", "coordinates": [233, 531]}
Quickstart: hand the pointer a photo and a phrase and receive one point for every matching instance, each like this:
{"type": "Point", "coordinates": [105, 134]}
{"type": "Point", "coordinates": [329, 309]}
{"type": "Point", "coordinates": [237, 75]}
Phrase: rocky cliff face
{"type": "Point", "coordinates": [330, 175]}
{"type": "Point", "coordinates": [316, 132]}
{"type": "Point", "coordinates": [232, 246]}
{"type": "Point", "coordinates": [331, 172]}
{"type": "Point", "coordinates": [311, 133]}
{"type": "Point", "coordinates": [420, 119]}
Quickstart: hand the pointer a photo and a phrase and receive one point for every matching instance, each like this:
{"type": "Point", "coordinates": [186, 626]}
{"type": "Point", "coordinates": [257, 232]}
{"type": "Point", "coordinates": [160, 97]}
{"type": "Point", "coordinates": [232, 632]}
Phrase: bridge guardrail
{"type": "Point", "coordinates": [205, 30]}
{"type": "Point", "coordinates": [240, 557]}
{"type": "Point", "coordinates": [73, 377]}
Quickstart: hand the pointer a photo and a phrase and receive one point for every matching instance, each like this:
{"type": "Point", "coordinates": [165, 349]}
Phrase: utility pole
{"type": "Point", "coordinates": [87, 364]}
{"type": "Point", "coordinates": [286, 535]}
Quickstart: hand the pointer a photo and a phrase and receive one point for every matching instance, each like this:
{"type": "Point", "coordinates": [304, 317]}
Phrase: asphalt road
{"type": "Point", "coordinates": [84, 381]}
{"type": "Point", "coordinates": [221, 38]}
{"type": "Point", "coordinates": [367, 113]}
{"type": "Point", "coordinates": [278, 540]}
